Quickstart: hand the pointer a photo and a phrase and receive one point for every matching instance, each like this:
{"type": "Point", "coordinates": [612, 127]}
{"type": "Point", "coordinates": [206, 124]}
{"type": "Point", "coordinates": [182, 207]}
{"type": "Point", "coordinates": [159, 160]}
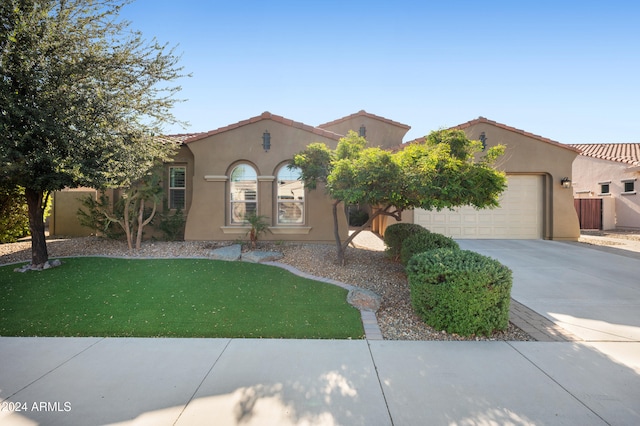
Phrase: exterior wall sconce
{"type": "Point", "coordinates": [362, 132]}
{"type": "Point", "coordinates": [266, 141]}
{"type": "Point", "coordinates": [483, 139]}
{"type": "Point", "coordinates": [565, 182]}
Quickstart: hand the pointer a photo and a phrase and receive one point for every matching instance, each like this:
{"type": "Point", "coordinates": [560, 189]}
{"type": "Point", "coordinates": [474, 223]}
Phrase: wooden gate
{"type": "Point", "coordinates": [589, 212]}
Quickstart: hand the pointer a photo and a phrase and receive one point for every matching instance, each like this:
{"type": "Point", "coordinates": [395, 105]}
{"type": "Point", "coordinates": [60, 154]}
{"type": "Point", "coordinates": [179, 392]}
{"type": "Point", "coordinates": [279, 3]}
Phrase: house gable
{"type": "Point", "coordinates": [379, 131]}
{"type": "Point", "coordinates": [218, 152]}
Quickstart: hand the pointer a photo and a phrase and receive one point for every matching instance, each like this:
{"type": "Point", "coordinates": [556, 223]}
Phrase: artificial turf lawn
{"type": "Point", "coordinates": [172, 298]}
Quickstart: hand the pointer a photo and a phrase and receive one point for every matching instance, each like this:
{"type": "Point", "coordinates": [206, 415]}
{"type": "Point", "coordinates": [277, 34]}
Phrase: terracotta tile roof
{"type": "Point", "coordinates": [363, 113]}
{"type": "Point", "coordinates": [502, 126]}
{"type": "Point", "coordinates": [177, 139]}
{"type": "Point", "coordinates": [265, 116]}
{"type": "Point", "coordinates": [628, 153]}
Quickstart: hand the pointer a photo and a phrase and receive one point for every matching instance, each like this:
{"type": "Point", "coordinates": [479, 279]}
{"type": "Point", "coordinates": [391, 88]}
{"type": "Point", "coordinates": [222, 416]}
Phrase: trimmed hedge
{"type": "Point", "coordinates": [424, 241]}
{"type": "Point", "coordinates": [460, 291]}
{"type": "Point", "coordinates": [395, 234]}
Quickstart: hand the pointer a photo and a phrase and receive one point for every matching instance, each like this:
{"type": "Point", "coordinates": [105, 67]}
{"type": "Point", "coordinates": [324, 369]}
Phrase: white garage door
{"type": "Point", "coordinates": [520, 215]}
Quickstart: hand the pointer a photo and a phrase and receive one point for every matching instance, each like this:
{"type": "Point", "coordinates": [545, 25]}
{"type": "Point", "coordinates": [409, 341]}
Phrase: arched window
{"type": "Point", "coordinates": [290, 196]}
{"type": "Point", "coordinates": [244, 193]}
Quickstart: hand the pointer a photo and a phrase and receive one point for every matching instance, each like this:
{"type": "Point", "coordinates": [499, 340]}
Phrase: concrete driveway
{"type": "Point", "coordinates": [593, 293]}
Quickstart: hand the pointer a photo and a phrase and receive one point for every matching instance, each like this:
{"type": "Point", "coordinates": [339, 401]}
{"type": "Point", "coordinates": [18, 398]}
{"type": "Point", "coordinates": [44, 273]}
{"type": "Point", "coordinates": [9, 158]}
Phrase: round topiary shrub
{"type": "Point", "coordinates": [395, 234]}
{"type": "Point", "coordinates": [424, 241]}
{"type": "Point", "coordinates": [460, 291]}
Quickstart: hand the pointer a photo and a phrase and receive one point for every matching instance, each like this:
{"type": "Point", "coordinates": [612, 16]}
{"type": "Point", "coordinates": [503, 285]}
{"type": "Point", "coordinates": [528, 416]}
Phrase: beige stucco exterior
{"type": "Point", "coordinates": [379, 131]}
{"type": "Point", "coordinates": [216, 154]}
{"type": "Point", "coordinates": [209, 158]}
{"type": "Point", "coordinates": [529, 154]}
{"type": "Point", "coordinates": [588, 176]}
{"type": "Point", "coordinates": [63, 219]}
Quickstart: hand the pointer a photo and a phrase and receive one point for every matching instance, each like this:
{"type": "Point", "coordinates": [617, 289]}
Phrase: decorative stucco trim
{"type": "Point", "coordinates": [266, 178]}
{"type": "Point", "coordinates": [235, 229]}
{"type": "Point", "coordinates": [289, 230]}
{"type": "Point", "coordinates": [216, 178]}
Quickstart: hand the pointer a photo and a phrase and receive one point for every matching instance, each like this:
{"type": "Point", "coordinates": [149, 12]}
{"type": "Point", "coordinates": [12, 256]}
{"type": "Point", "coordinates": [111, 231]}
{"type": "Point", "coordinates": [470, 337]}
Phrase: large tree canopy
{"type": "Point", "coordinates": [81, 97]}
{"type": "Point", "coordinates": [447, 170]}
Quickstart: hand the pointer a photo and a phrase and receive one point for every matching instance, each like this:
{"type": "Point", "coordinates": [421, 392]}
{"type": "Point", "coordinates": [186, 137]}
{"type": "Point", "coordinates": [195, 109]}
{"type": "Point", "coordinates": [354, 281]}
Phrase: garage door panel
{"type": "Point", "coordinates": [520, 214]}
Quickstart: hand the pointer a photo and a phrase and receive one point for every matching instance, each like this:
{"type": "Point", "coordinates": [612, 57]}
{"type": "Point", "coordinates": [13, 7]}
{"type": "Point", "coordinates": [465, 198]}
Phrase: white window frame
{"type": "Point", "coordinates": [624, 184]}
{"type": "Point", "coordinates": [290, 208]}
{"type": "Point", "coordinates": [173, 188]}
{"type": "Point", "coordinates": [600, 184]}
{"type": "Point", "coordinates": [238, 201]}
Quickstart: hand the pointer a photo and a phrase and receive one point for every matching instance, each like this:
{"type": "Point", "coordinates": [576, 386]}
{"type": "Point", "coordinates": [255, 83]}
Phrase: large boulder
{"type": "Point", "coordinates": [363, 299]}
{"type": "Point", "coordinates": [230, 253]}
{"type": "Point", "coordinates": [262, 256]}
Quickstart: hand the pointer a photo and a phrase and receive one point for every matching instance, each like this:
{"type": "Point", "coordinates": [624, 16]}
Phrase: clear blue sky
{"type": "Point", "coordinates": [565, 70]}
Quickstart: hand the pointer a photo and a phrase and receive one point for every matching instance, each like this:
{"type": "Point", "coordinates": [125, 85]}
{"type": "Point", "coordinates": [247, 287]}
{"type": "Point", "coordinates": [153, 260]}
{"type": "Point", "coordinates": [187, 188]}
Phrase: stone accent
{"type": "Point", "coordinates": [230, 253]}
{"type": "Point", "coordinates": [262, 256]}
{"type": "Point", "coordinates": [363, 299]}
{"type": "Point", "coordinates": [47, 265]}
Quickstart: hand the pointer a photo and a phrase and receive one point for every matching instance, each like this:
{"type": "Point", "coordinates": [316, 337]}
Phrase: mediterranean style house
{"type": "Point", "coordinates": [610, 172]}
{"type": "Point", "coordinates": [219, 177]}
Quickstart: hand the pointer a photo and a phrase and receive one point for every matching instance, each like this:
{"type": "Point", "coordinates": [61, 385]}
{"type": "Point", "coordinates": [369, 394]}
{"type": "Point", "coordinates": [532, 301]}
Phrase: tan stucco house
{"type": "Point", "coordinates": [220, 176]}
{"type": "Point", "coordinates": [536, 205]}
{"type": "Point", "coordinates": [610, 171]}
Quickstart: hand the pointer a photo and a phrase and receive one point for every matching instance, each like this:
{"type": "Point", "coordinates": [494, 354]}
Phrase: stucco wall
{"type": "Point", "coordinates": [215, 157]}
{"type": "Point", "coordinates": [378, 133]}
{"type": "Point", "coordinates": [528, 155]}
{"type": "Point", "coordinates": [64, 218]}
{"type": "Point", "coordinates": [588, 172]}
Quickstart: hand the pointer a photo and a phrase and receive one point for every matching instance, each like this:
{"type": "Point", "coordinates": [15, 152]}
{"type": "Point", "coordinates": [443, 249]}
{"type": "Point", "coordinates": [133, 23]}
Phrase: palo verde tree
{"type": "Point", "coordinates": [447, 170]}
{"type": "Point", "coordinates": [81, 96]}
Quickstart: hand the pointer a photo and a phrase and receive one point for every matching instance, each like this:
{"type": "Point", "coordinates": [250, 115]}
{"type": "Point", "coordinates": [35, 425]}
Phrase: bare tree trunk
{"type": "Point", "coordinates": [336, 234]}
{"type": "Point", "coordinates": [127, 228]}
{"type": "Point", "coordinates": [141, 223]}
{"type": "Point", "coordinates": [36, 205]}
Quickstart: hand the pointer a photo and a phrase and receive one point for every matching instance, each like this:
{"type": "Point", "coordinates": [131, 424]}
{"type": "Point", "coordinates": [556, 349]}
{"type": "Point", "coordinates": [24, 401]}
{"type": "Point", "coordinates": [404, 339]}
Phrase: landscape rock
{"type": "Point", "coordinates": [230, 253]}
{"type": "Point", "coordinates": [262, 256]}
{"type": "Point", "coordinates": [364, 299]}
{"type": "Point", "coordinates": [31, 267]}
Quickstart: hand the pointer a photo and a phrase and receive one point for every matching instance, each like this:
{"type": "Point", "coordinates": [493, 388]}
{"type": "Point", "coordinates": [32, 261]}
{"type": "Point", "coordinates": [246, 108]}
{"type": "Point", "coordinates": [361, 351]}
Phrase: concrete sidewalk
{"type": "Point", "coordinates": [593, 294]}
{"type": "Point", "coordinates": [91, 381]}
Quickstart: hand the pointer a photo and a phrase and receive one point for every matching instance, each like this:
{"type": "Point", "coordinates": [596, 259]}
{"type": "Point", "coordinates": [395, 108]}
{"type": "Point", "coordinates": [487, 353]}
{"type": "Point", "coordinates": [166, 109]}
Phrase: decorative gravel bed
{"type": "Point", "coordinates": [365, 268]}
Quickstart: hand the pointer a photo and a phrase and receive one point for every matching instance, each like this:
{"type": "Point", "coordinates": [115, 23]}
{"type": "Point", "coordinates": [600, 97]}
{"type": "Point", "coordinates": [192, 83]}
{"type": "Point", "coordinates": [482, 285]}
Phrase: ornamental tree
{"type": "Point", "coordinates": [446, 170]}
{"type": "Point", "coordinates": [81, 96]}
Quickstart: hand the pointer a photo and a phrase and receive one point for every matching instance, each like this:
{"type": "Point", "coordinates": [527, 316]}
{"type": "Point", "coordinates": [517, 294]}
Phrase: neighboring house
{"type": "Point", "coordinates": [535, 204]}
{"type": "Point", "coordinates": [610, 171]}
{"type": "Point", "coordinates": [220, 176]}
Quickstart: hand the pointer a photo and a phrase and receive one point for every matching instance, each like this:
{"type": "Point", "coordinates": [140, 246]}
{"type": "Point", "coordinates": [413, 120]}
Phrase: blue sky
{"type": "Point", "coordinates": [565, 70]}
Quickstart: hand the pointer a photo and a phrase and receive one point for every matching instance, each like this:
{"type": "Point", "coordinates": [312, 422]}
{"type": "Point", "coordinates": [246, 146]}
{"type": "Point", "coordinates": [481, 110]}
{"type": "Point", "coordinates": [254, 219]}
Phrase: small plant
{"type": "Point", "coordinates": [460, 291]}
{"type": "Point", "coordinates": [172, 225]}
{"type": "Point", "coordinates": [91, 215]}
{"type": "Point", "coordinates": [357, 216]}
{"type": "Point", "coordinates": [14, 217]}
{"type": "Point", "coordinates": [259, 225]}
{"type": "Point", "coordinates": [424, 241]}
{"type": "Point", "coordinates": [395, 234]}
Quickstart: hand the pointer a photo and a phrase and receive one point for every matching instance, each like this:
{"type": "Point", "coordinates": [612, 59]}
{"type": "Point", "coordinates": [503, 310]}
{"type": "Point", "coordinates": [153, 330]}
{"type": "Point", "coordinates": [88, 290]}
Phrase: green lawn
{"type": "Point", "coordinates": [172, 298]}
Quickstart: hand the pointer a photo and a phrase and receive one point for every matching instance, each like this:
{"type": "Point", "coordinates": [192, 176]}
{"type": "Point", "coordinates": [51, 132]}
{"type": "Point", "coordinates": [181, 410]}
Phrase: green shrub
{"type": "Point", "coordinates": [172, 225]}
{"type": "Point", "coordinates": [91, 215]}
{"type": "Point", "coordinates": [460, 291]}
{"type": "Point", "coordinates": [357, 217]}
{"type": "Point", "coordinates": [395, 234]}
{"type": "Point", "coordinates": [424, 241]}
{"type": "Point", "coordinates": [14, 215]}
